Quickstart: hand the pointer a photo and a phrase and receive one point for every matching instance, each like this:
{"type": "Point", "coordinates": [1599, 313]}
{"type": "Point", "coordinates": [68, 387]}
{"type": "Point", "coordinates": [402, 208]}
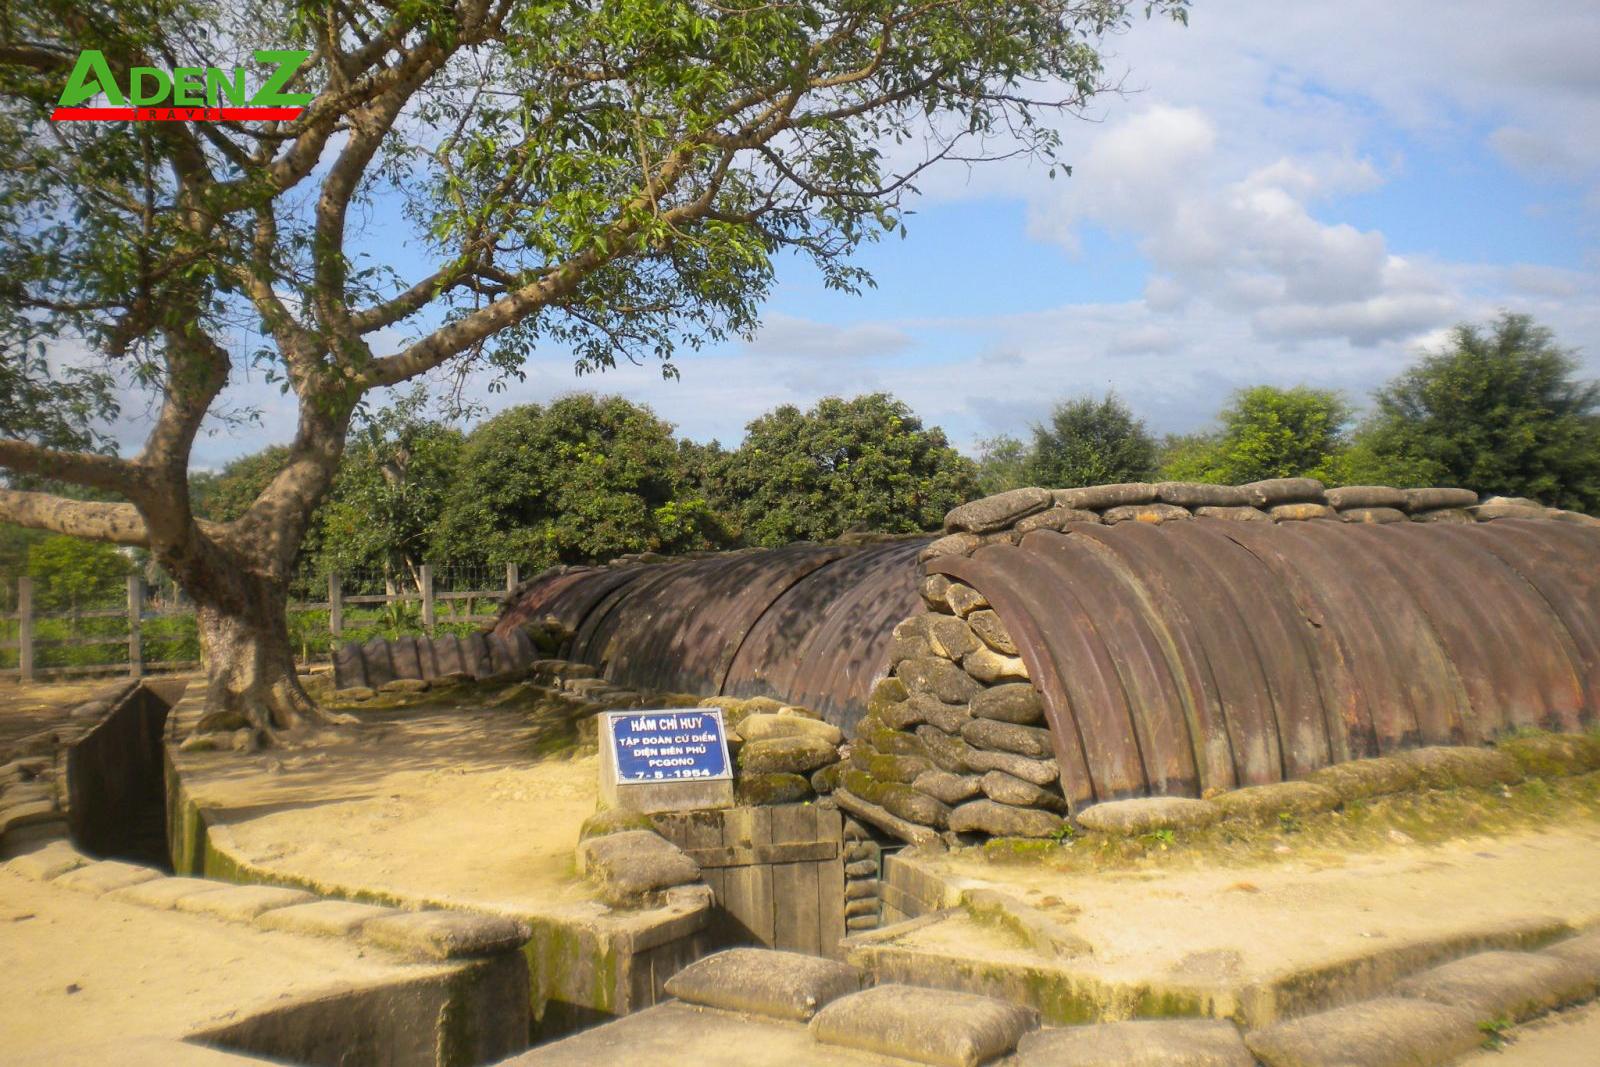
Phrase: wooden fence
{"type": "Point", "coordinates": [28, 643]}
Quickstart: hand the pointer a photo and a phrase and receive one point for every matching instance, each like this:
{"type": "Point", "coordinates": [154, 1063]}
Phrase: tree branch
{"type": "Point", "coordinates": [120, 524]}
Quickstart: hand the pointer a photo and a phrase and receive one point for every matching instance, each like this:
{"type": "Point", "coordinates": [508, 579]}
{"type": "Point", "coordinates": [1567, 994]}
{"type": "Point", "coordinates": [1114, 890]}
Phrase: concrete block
{"type": "Point", "coordinates": [1502, 985]}
{"type": "Point", "coordinates": [1142, 1043]}
{"type": "Point", "coordinates": [105, 876]}
{"type": "Point", "coordinates": [443, 935]}
{"type": "Point", "coordinates": [933, 1026]}
{"type": "Point", "coordinates": [242, 903]}
{"type": "Point", "coordinates": [1388, 1032]}
{"type": "Point", "coordinates": [1144, 814]}
{"type": "Point", "coordinates": [322, 918]}
{"type": "Point", "coordinates": [164, 893]}
{"type": "Point", "coordinates": [780, 985]}
{"type": "Point", "coordinates": [48, 861]}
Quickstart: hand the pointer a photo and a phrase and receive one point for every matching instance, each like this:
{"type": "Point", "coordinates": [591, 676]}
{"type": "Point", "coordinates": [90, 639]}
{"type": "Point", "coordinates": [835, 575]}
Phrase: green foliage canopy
{"type": "Point", "coordinates": [1499, 411]}
{"type": "Point", "coordinates": [582, 479]}
{"type": "Point", "coordinates": [1091, 442]}
{"type": "Point", "coordinates": [862, 464]}
{"type": "Point", "coordinates": [1266, 432]}
{"type": "Point", "coordinates": [69, 572]}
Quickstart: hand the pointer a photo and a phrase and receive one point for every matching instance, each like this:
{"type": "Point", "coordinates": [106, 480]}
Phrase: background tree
{"type": "Point", "coordinates": [1091, 442]}
{"type": "Point", "coordinates": [1002, 464]}
{"type": "Point", "coordinates": [388, 499]}
{"type": "Point", "coordinates": [604, 180]}
{"type": "Point", "coordinates": [1266, 432]}
{"type": "Point", "coordinates": [70, 573]}
{"type": "Point", "coordinates": [582, 480]}
{"type": "Point", "coordinates": [861, 464]}
{"type": "Point", "coordinates": [1499, 411]}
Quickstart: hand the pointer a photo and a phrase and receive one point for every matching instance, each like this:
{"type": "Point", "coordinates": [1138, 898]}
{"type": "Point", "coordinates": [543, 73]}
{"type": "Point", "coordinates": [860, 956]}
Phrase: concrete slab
{"type": "Point", "coordinates": [1146, 1043]}
{"type": "Point", "coordinates": [322, 918]}
{"type": "Point", "coordinates": [1253, 942]}
{"type": "Point", "coordinates": [242, 903]}
{"type": "Point", "coordinates": [105, 876]}
{"type": "Point", "coordinates": [1388, 1032]}
{"type": "Point", "coordinates": [153, 976]}
{"type": "Point", "coordinates": [443, 935]}
{"type": "Point", "coordinates": [677, 1033]}
{"type": "Point", "coordinates": [164, 893]}
{"type": "Point", "coordinates": [1502, 985]}
{"type": "Point", "coordinates": [47, 861]}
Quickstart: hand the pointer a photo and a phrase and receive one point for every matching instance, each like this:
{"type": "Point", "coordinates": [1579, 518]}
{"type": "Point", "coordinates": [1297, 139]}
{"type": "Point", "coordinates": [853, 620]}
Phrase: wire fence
{"type": "Point", "coordinates": [152, 626]}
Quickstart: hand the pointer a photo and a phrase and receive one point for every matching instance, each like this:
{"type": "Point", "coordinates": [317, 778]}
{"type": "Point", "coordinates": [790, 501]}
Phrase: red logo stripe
{"type": "Point", "coordinates": [173, 114]}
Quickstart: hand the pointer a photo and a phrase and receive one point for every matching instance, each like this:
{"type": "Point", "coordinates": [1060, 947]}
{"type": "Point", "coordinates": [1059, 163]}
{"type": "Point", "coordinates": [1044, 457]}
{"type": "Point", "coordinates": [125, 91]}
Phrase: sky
{"type": "Point", "coordinates": [1287, 194]}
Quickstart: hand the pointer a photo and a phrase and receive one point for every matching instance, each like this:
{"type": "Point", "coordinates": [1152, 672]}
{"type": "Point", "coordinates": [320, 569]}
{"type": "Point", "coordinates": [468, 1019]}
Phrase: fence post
{"type": "Point", "coordinates": [335, 604]}
{"type": "Point", "coordinates": [135, 615]}
{"type": "Point", "coordinates": [25, 628]}
{"type": "Point", "coordinates": [511, 578]}
{"type": "Point", "coordinates": [427, 598]}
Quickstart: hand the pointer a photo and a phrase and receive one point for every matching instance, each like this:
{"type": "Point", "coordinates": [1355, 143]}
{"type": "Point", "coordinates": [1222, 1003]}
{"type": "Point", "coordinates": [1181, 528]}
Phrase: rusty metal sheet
{"type": "Point", "coordinates": [1569, 582]}
{"type": "Point", "coordinates": [1277, 630]}
{"type": "Point", "coordinates": [1419, 668]}
{"type": "Point", "coordinates": [1173, 628]}
{"type": "Point", "coordinates": [1027, 623]}
{"type": "Point", "coordinates": [862, 597]}
{"type": "Point", "coordinates": [684, 631]}
{"type": "Point", "coordinates": [1541, 646]}
{"type": "Point", "coordinates": [1152, 692]}
{"type": "Point", "coordinates": [1347, 652]}
{"type": "Point", "coordinates": [1441, 580]}
{"type": "Point", "coordinates": [1221, 630]}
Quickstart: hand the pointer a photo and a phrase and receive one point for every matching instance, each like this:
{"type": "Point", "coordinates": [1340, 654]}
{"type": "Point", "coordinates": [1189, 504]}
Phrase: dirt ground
{"type": "Point", "coordinates": [27, 709]}
{"type": "Point", "coordinates": [1240, 923]}
{"type": "Point", "coordinates": [457, 804]}
{"type": "Point", "coordinates": [83, 973]}
{"type": "Point", "coordinates": [1565, 1039]}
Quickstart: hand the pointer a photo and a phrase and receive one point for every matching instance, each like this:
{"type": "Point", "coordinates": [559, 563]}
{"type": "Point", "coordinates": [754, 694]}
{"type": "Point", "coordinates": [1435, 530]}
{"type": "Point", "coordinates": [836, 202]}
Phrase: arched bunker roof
{"type": "Point", "coordinates": [1172, 657]}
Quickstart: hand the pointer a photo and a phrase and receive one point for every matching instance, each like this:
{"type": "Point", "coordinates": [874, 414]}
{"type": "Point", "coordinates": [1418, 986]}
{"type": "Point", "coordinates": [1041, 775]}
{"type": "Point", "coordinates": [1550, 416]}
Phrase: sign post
{"type": "Point", "coordinates": [665, 759]}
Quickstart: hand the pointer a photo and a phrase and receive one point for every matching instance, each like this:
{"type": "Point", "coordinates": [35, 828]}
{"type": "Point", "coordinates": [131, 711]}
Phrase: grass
{"type": "Point", "coordinates": [1426, 816]}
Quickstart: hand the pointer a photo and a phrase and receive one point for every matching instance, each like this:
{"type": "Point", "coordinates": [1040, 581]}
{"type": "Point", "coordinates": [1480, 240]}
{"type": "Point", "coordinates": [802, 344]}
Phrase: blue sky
{"type": "Point", "coordinates": [1306, 195]}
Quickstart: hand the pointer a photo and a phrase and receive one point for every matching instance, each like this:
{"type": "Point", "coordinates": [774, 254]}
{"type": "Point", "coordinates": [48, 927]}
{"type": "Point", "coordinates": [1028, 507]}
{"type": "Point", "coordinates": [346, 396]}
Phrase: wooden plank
{"type": "Point", "coordinates": [830, 887]}
{"type": "Point", "coordinates": [700, 832]}
{"type": "Point", "coordinates": [790, 852]}
{"type": "Point", "coordinates": [795, 884]}
{"type": "Point", "coordinates": [739, 885]}
{"type": "Point", "coordinates": [762, 916]}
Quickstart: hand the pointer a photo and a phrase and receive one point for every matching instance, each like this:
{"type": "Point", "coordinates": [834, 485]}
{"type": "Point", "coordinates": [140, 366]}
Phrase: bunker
{"type": "Point", "coordinates": [1179, 638]}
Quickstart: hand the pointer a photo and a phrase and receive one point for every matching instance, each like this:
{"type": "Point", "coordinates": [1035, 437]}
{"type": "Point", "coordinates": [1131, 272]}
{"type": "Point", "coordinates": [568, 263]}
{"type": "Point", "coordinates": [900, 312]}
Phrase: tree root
{"type": "Point", "coordinates": [279, 715]}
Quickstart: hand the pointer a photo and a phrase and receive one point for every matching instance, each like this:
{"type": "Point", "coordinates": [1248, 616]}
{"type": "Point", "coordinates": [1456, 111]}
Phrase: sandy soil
{"type": "Point", "coordinates": [447, 805]}
{"type": "Point", "coordinates": [27, 709]}
{"type": "Point", "coordinates": [1565, 1039]}
{"type": "Point", "coordinates": [1240, 923]}
{"type": "Point", "coordinates": [81, 971]}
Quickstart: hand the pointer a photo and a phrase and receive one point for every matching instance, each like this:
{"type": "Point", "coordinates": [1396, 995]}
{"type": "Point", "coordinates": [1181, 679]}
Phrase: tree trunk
{"type": "Point", "coordinates": [249, 662]}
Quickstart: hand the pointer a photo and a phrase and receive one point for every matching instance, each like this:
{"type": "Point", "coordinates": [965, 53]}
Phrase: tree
{"type": "Point", "coordinates": [1499, 411]}
{"type": "Point", "coordinates": [1002, 464]}
{"type": "Point", "coordinates": [599, 180]}
{"type": "Point", "coordinates": [583, 480]}
{"type": "Point", "coordinates": [387, 502]}
{"type": "Point", "coordinates": [861, 464]}
{"type": "Point", "coordinates": [226, 495]}
{"type": "Point", "coordinates": [1266, 432]}
{"type": "Point", "coordinates": [1091, 442]}
{"type": "Point", "coordinates": [69, 572]}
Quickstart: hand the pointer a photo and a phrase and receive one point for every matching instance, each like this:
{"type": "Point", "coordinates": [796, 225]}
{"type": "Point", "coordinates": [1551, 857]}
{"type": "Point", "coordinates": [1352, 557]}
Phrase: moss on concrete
{"type": "Point", "coordinates": [1426, 816]}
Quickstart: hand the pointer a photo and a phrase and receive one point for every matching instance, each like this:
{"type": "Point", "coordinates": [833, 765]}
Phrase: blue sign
{"type": "Point", "coordinates": [668, 745]}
